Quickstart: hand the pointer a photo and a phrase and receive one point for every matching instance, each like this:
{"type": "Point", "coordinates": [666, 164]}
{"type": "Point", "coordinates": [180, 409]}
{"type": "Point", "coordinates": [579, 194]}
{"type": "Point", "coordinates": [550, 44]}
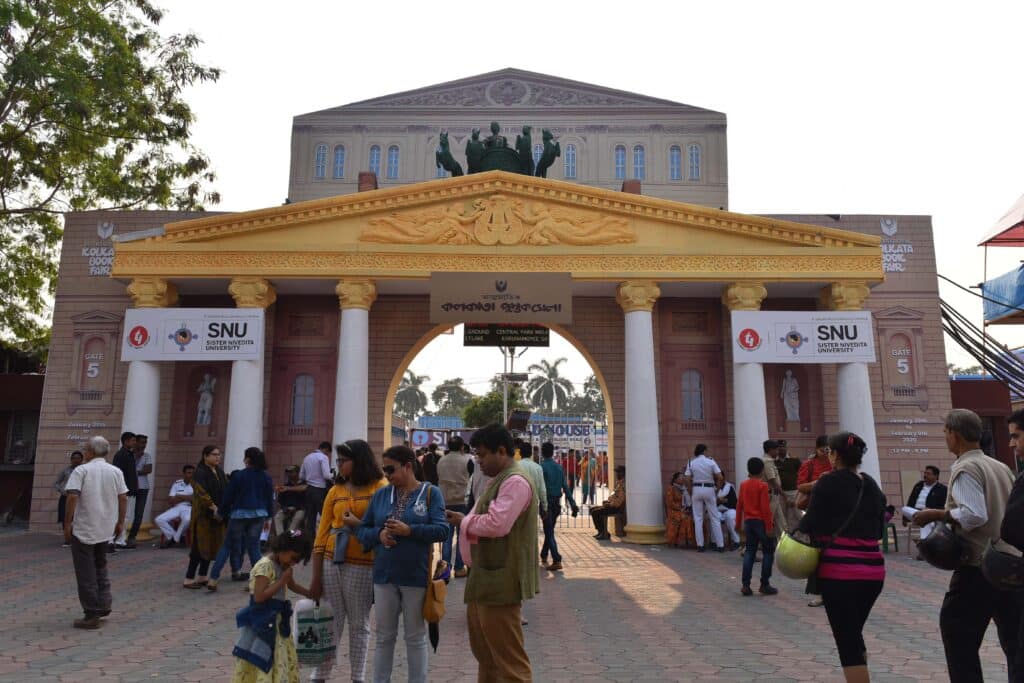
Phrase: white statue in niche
{"type": "Point", "coordinates": [205, 391]}
{"type": "Point", "coordinates": [790, 395]}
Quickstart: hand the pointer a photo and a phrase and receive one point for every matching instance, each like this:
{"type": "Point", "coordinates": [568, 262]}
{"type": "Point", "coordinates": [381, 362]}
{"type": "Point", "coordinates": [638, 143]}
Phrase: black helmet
{"type": "Point", "coordinates": [1002, 569]}
{"type": "Point", "coordinates": [943, 548]}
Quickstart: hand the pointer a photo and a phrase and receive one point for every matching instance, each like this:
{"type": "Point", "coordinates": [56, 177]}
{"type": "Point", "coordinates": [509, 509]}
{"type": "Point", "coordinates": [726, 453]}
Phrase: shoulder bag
{"type": "Point", "coordinates": [807, 570]}
{"type": "Point", "coordinates": [437, 582]}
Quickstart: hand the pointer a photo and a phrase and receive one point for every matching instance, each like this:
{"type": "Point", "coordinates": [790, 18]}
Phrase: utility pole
{"type": "Point", "coordinates": [509, 355]}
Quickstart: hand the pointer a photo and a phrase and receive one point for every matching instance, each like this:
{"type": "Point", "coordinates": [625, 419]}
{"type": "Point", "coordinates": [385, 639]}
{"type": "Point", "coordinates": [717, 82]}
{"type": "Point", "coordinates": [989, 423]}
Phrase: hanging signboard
{"type": "Point", "coordinates": [505, 334]}
{"type": "Point", "coordinates": [802, 337]}
{"type": "Point", "coordinates": [192, 334]}
{"type": "Point", "coordinates": [563, 435]}
{"type": "Point", "coordinates": [501, 297]}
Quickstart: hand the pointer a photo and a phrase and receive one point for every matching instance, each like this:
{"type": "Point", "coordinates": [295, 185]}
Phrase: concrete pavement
{"type": "Point", "coordinates": [617, 613]}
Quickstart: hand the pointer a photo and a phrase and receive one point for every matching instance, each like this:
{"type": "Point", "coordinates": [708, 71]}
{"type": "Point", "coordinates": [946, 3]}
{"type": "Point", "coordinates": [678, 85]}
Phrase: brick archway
{"type": "Point", "coordinates": [400, 329]}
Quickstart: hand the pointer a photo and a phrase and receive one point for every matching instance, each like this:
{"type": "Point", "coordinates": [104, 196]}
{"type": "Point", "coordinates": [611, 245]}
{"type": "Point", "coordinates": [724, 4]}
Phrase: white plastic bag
{"type": "Point", "coordinates": [313, 632]}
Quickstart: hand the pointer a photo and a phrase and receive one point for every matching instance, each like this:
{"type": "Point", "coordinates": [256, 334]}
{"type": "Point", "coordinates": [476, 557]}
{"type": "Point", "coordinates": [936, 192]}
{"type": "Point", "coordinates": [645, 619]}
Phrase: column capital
{"type": "Point", "coordinates": [845, 296]}
{"type": "Point", "coordinates": [637, 295]}
{"type": "Point", "coordinates": [356, 293]}
{"type": "Point", "coordinates": [744, 296]}
{"type": "Point", "coordinates": [152, 292]}
{"type": "Point", "coordinates": [252, 292]}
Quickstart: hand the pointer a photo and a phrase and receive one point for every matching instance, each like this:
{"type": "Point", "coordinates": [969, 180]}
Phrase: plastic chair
{"type": "Point", "coordinates": [895, 538]}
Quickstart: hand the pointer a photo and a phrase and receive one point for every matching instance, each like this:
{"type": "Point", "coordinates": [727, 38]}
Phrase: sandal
{"type": "Point", "coordinates": [211, 585]}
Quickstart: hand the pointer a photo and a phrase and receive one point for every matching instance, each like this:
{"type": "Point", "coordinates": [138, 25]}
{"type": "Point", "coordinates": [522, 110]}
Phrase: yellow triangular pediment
{"type": "Point", "coordinates": [589, 231]}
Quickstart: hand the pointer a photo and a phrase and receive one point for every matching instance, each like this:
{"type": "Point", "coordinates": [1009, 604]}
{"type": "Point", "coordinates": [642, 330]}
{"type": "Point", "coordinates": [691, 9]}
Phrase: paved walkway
{"type": "Point", "coordinates": [617, 613]}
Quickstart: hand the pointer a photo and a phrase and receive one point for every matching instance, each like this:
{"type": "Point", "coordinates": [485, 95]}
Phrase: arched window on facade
{"type": "Point", "coordinates": [393, 162]}
{"type": "Point", "coordinates": [639, 162]}
{"type": "Point", "coordinates": [303, 390]}
{"type": "Point", "coordinates": [675, 163]}
{"type": "Point", "coordinates": [320, 161]}
{"type": "Point", "coordinates": [339, 161]}
{"type": "Point", "coordinates": [570, 161]}
{"type": "Point", "coordinates": [375, 160]}
{"type": "Point", "coordinates": [693, 152]}
{"type": "Point", "coordinates": [620, 162]}
{"type": "Point", "coordinates": [693, 395]}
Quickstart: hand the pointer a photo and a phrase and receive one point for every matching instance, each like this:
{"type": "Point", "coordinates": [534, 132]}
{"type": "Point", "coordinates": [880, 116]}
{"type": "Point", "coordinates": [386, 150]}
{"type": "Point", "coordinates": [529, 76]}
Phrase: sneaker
{"type": "Point", "coordinates": [88, 623]}
{"type": "Point", "coordinates": [555, 567]}
{"type": "Point", "coordinates": [105, 613]}
{"type": "Point", "coordinates": [746, 591]}
{"type": "Point", "coordinates": [767, 589]}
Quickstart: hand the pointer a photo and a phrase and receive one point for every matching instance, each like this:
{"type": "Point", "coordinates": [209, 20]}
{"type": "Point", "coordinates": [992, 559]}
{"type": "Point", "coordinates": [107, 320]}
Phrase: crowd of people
{"type": "Point", "coordinates": [372, 526]}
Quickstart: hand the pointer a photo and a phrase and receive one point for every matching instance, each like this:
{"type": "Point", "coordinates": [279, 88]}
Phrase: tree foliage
{"type": "Point", "coordinates": [483, 410]}
{"type": "Point", "coordinates": [953, 369]}
{"type": "Point", "coordinates": [589, 403]}
{"type": "Point", "coordinates": [410, 401]}
{"type": "Point", "coordinates": [92, 116]}
{"type": "Point", "coordinates": [450, 397]}
{"type": "Point", "coordinates": [547, 390]}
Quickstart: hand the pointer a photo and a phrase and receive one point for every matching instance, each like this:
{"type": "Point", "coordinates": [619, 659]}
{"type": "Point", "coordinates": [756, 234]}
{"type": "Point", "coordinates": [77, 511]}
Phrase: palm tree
{"type": "Point", "coordinates": [410, 400]}
{"type": "Point", "coordinates": [546, 390]}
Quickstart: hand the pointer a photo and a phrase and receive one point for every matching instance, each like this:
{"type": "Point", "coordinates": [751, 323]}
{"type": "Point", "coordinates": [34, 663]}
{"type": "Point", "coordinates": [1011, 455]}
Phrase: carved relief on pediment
{"type": "Point", "coordinates": [499, 219]}
{"type": "Point", "coordinates": [510, 92]}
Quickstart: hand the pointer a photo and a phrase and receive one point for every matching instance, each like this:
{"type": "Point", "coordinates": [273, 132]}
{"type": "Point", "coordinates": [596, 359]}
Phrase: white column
{"type": "Point", "coordinates": [750, 415]}
{"type": "Point", "coordinates": [853, 383]}
{"type": "Point", "coordinates": [750, 409]}
{"type": "Point", "coordinates": [857, 411]}
{"type": "Point", "coordinates": [644, 512]}
{"type": "Point", "coordinates": [351, 397]}
{"type": "Point", "coordinates": [245, 412]}
{"type": "Point", "coordinates": [142, 412]}
{"type": "Point", "coordinates": [245, 399]}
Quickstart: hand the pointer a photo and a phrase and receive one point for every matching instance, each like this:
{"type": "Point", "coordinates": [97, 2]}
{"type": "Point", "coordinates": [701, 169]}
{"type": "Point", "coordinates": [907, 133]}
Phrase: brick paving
{"type": "Point", "coordinates": [617, 613]}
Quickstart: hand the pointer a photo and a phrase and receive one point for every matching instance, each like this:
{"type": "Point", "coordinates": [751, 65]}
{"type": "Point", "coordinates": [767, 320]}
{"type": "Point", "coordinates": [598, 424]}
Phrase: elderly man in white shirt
{"type": "Point", "coordinates": [704, 474]}
{"type": "Point", "coordinates": [180, 500]}
{"type": "Point", "coordinates": [97, 503]}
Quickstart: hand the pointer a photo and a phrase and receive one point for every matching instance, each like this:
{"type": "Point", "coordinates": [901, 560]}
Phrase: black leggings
{"type": "Point", "coordinates": [848, 604]}
{"type": "Point", "coordinates": [196, 562]}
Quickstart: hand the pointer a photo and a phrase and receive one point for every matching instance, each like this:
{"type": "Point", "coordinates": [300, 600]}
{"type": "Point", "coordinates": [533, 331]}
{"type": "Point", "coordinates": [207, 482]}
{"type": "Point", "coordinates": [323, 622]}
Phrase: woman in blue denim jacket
{"type": "Point", "coordinates": [404, 519]}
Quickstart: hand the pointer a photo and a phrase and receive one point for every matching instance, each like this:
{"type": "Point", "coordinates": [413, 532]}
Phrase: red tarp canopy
{"type": "Point", "coordinates": [1008, 230]}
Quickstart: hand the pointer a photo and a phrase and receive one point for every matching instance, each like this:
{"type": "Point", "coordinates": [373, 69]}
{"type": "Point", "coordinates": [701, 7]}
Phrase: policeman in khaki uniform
{"type": "Point", "coordinates": [777, 500]}
{"type": "Point", "coordinates": [704, 474]}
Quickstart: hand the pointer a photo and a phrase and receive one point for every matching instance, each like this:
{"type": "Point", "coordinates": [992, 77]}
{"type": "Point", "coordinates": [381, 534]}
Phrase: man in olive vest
{"type": "Point", "coordinates": [499, 542]}
{"type": "Point", "coordinates": [979, 487]}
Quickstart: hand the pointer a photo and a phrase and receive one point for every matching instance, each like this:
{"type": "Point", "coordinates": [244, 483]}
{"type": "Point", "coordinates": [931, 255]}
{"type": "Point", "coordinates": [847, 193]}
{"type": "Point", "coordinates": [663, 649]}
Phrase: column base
{"type": "Point", "coordinates": [644, 535]}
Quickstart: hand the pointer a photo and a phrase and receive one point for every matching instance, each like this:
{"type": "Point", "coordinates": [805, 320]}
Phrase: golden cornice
{"type": "Point", "coordinates": [405, 197]}
{"type": "Point", "coordinates": [152, 292]}
{"type": "Point", "coordinates": [599, 265]}
{"type": "Point", "coordinates": [356, 293]}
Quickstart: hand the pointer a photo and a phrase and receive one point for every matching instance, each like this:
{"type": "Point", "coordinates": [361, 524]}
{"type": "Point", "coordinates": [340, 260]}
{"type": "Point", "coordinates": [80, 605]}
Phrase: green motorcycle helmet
{"type": "Point", "coordinates": [796, 559]}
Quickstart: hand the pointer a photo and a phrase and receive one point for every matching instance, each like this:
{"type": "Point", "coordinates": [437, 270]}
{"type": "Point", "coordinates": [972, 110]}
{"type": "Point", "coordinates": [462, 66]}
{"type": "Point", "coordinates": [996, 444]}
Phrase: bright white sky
{"type": "Point", "coordinates": [866, 107]}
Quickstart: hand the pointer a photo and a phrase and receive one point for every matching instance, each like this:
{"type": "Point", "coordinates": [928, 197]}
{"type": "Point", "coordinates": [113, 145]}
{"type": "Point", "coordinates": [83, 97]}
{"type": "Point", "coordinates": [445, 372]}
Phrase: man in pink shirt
{"type": "Point", "coordinates": [501, 549]}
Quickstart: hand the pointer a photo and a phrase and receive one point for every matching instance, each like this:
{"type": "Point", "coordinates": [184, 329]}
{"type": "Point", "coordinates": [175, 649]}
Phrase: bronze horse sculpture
{"type": "Point", "coordinates": [443, 157]}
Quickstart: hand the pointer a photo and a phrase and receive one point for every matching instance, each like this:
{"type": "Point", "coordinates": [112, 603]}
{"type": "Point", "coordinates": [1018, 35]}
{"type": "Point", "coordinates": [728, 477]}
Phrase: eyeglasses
{"type": "Point", "coordinates": [388, 469]}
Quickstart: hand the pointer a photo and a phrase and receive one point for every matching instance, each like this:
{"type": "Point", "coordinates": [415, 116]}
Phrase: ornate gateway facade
{"type": "Point", "coordinates": [342, 279]}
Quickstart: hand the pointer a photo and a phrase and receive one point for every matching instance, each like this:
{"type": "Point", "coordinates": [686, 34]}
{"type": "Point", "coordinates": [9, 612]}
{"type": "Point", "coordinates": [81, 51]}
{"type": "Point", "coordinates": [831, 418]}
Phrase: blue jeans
{"type": "Point", "coordinates": [390, 601]}
{"type": "Point", "coordinates": [446, 547]}
{"type": "Point", "coordinates": [550, 519]}
{"type": "Point", "coordinates": [243, 535]}
{"type": "Point", "coordinates": [756, 535]}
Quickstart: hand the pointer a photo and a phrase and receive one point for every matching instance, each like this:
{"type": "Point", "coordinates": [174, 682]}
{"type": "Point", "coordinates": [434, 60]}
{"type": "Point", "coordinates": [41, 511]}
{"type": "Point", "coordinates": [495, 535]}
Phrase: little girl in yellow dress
{"type": "Point", "coordinates": [268, 580]}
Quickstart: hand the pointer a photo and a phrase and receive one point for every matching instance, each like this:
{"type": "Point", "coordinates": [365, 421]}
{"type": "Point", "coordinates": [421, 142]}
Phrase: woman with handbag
{"type": "Point", "coordinates": [845, 515]}
{"type": "Point", "coordinates": [401, 524]}
{"type": "Point", "coordinates": [342, 569]}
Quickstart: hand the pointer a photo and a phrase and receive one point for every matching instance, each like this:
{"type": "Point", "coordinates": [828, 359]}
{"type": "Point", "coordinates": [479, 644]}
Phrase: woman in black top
{"type": "Point", "coordinates": [846, 516]}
